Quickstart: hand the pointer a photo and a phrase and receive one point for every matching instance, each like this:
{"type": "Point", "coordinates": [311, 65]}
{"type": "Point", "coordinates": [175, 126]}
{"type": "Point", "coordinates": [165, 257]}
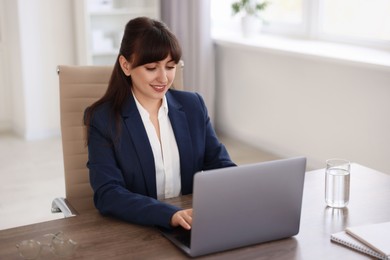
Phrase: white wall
{"type": "Point", "coordinates": [4, 95]}
{"type": "Point", "coordinates": [4, 90]}
{"type": "Point", "coordinates": [40, 35]}
{"type": "Point", "coordinates": [13, 84]}
{"type": "Point", "coordinates": [294, 105]}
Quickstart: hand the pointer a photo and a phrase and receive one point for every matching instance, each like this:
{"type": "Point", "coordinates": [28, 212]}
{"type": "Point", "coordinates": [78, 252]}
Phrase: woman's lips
{"type": "Point", "coordinates": [159, 88]}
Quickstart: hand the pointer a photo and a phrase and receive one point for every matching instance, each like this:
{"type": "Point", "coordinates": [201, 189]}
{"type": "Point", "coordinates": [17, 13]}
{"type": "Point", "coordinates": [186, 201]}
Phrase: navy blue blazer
{"type": "Point", "coordinates": [121, 164]}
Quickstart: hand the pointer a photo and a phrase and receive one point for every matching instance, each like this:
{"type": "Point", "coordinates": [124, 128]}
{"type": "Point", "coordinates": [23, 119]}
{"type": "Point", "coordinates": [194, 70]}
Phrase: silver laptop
{"type": "Point", "coordinates": [245, 205]}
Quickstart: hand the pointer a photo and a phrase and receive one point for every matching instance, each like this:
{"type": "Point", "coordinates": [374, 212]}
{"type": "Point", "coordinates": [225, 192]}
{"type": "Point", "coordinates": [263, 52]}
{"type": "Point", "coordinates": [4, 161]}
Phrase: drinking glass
{"type": "Point", "coordinates": [337, 183]}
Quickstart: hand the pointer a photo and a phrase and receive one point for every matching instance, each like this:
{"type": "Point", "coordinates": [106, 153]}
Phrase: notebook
{"type": "Point", "coordinates": [244, 205]}
{"type": "Point", "coordinates": [344, 239]}
{"type": "Point", "coordinates": [375, 236]}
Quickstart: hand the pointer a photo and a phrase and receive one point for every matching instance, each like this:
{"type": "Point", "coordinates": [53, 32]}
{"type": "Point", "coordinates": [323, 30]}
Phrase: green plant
{"type": "Point", "coordinates": [249, 7]}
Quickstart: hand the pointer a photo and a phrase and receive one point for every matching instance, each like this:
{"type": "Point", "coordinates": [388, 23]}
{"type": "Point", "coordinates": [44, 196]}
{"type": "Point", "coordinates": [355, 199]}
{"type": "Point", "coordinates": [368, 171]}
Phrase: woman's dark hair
{"type": "Point", "coordinates": [144, 41]}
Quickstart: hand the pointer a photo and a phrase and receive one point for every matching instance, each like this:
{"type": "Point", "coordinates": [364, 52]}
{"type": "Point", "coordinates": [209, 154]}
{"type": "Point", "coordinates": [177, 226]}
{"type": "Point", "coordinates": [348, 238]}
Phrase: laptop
{"type": "Point", "coordinates": [245, 205]}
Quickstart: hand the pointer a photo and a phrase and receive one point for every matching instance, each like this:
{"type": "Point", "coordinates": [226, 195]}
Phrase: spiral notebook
{"type": "Point", "coordinates": [371, 239]}
{"type": "Point", "coordinates": [346, 240]}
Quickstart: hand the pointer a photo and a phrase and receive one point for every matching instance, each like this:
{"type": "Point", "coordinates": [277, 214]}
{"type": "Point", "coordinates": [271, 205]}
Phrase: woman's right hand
{"type": "Point", "coordinates": [182, 218]}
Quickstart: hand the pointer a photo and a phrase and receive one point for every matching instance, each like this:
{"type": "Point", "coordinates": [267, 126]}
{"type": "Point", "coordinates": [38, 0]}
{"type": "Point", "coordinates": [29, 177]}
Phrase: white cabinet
{"type": "Point", "coordinates": [100, 25]}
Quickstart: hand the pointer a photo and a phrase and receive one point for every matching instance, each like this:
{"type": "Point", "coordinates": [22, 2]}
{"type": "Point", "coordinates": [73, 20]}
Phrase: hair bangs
{"type": "Point", "coordinates": [160, 45]}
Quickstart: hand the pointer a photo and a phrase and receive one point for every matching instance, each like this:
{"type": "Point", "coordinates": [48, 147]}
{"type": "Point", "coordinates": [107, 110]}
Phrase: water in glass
{"type": "Point", "coordinates": [337, 187]}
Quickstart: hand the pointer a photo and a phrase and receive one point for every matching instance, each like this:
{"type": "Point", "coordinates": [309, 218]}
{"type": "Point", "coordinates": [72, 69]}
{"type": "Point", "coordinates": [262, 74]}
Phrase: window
{"type": "Point", "coordinates": [359, 19]}
{"type": "Point", "coordinates": [359, 22]}
{"type": "Point", "coordinates": [285, 17]}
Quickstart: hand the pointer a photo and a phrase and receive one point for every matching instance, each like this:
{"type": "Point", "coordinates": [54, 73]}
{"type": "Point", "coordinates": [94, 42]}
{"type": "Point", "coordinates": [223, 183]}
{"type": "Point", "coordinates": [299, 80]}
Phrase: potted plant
{"type": "Point", "coordinates": [251, 21]}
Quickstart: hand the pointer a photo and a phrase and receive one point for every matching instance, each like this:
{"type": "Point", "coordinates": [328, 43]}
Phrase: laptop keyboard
{"type": "Point", "coordinates": [184, 236]}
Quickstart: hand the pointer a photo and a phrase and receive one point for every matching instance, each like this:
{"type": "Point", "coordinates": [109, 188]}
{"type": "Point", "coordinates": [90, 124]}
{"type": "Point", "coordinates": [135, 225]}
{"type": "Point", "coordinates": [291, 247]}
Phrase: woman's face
{"type": "Point", "coordinates": [152, 80]}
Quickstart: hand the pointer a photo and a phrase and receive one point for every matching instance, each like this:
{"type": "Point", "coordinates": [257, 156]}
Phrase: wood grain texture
{"type": "Point", "coordinates": [102, 237]}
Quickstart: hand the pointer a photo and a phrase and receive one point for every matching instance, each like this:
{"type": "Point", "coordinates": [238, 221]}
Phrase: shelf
{"type": "Point", "coordinates": [101, 23]}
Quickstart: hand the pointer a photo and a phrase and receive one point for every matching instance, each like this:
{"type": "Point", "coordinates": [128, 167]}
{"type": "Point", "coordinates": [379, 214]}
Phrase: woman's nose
{"type": "Point", "coordinates": [162, 76]}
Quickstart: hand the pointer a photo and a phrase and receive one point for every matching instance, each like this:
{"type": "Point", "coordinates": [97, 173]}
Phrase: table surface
{"type": "Point", "coordinates": [101, 237]}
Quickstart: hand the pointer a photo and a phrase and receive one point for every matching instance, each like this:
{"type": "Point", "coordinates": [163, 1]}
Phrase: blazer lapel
{"type": "Point", "coordinates": [137, 132]}
{"type": "Point", "coordinates": [183, 139]}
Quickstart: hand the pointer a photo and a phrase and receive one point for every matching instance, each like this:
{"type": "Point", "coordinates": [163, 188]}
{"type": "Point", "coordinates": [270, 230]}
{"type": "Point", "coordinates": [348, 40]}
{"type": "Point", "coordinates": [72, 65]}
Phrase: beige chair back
{"type": "Point", "coordinates": [80, 86]}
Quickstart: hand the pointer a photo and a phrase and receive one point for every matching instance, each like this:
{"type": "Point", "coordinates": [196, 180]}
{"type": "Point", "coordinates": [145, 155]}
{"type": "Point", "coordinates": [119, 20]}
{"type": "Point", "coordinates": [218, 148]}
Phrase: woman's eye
{"type": "Point", "coordinates": [150, 68]}
{"type": "Point", "coordinates": [171, 67]}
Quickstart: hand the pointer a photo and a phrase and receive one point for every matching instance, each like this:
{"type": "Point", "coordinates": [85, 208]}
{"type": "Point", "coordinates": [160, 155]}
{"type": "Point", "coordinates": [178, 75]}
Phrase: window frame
{"type": "Point", "coordinates": [311, 29]}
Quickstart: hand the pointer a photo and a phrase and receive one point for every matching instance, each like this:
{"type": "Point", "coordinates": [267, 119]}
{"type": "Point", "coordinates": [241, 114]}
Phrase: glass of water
{"type": "Point", "coordinates": [337, 182]}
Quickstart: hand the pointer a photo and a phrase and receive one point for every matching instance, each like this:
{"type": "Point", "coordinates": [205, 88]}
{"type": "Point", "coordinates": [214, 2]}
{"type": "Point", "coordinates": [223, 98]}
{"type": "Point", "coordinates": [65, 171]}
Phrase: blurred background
{"type": "Point", "coordinates": [312, 79]}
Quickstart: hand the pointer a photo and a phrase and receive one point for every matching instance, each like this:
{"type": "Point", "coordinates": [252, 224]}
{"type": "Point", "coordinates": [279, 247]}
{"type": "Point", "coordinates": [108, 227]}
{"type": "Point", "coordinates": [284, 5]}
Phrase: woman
{"type": "Point", "coordinates": [146, 141]}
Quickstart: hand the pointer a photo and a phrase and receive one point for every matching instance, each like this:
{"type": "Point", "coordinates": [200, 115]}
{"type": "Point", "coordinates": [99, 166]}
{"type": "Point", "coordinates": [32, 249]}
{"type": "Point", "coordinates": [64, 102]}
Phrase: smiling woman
{"type": "Point", "coordinates": [150, 81]}
{"type": "Point", "coordinates": [145, 140]}
{"type": "Point", "coordinates": [149, 86]}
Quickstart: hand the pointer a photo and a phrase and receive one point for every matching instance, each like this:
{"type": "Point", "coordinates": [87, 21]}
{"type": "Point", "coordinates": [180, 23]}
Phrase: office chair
{"type": "Point", "coordinates": [80, 86]}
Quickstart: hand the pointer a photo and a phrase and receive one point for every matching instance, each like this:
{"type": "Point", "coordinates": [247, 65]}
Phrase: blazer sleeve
{"type": "Point", "coordinates": [111, 197]}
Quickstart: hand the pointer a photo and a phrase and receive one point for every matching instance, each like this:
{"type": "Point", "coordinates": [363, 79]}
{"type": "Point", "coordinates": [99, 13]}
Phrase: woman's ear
{"type": "Point", "coordinates": [125, 65]}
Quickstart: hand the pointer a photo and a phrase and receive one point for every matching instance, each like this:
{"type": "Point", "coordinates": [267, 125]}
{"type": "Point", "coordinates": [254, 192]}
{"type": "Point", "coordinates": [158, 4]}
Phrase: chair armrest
{"type": "Point", "coordinates": [62, 205]}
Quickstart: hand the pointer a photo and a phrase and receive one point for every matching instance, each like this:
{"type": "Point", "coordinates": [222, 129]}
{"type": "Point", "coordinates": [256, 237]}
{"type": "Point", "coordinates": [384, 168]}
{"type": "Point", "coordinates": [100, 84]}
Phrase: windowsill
{"type": "Point", "coordinates": [310, 49]}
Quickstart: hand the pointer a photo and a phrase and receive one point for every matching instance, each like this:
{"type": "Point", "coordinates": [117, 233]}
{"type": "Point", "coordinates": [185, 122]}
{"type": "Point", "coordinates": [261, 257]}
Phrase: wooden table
{"type": "Point", "coordinates": [107, 238]}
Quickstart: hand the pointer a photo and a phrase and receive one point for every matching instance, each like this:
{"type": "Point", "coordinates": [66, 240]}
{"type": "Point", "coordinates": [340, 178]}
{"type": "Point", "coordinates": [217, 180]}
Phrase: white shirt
{"type": "Point", "coordinates": [166, 153]}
